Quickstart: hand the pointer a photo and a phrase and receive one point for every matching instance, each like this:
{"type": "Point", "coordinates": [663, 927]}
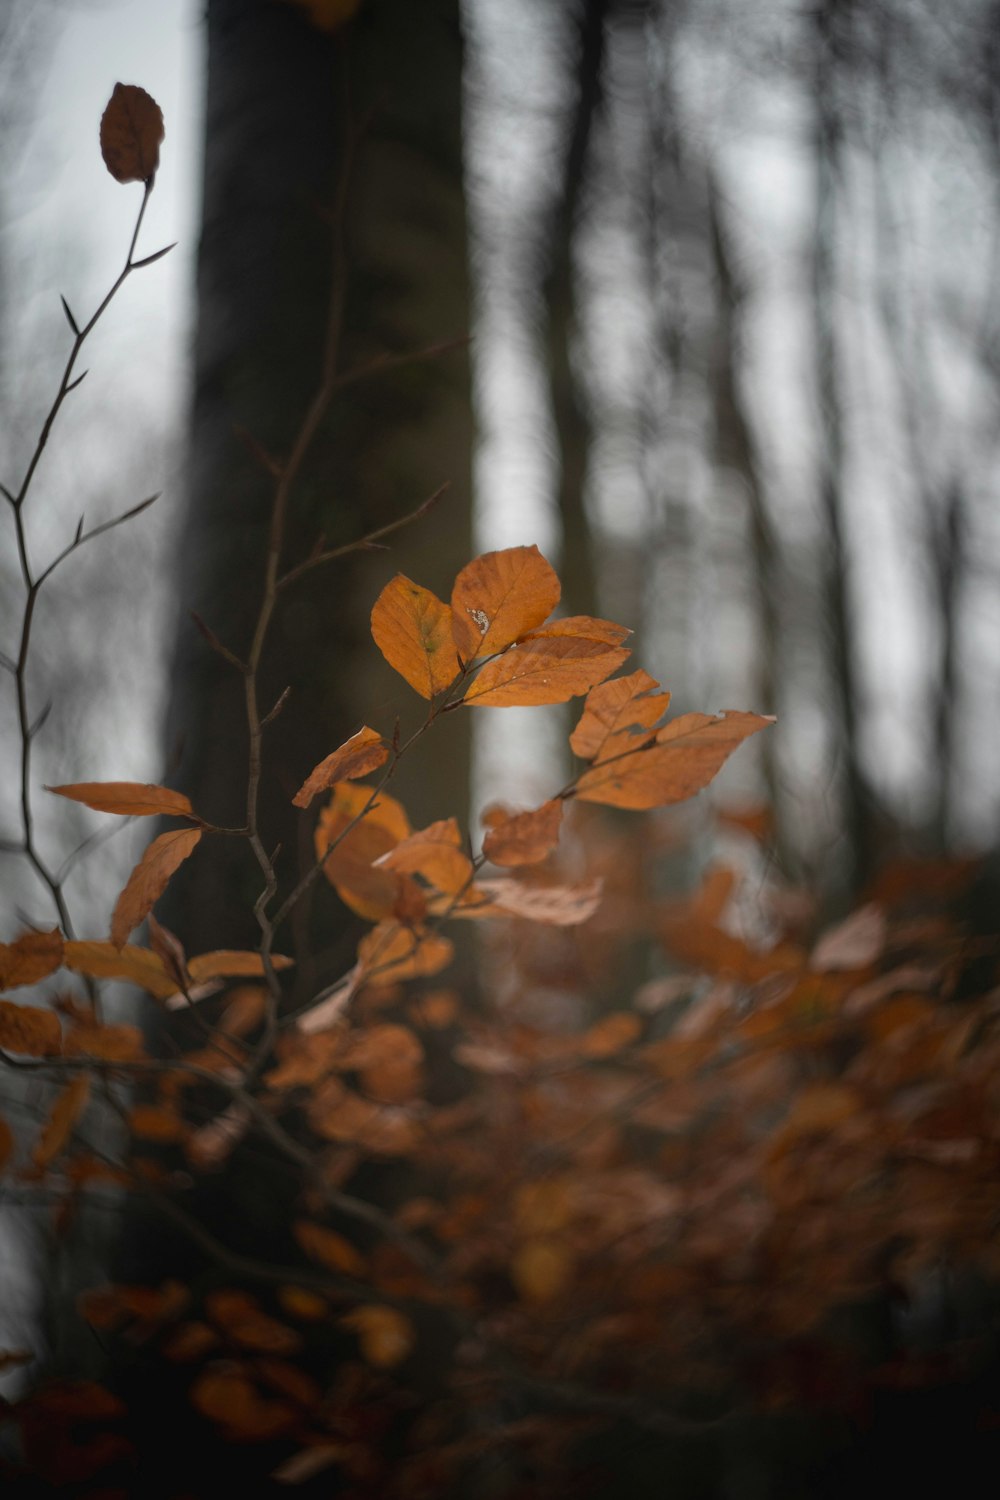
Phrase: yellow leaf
{"type": "Point", "coordinates": [362, 753]}
{"type": "Point", "coordinates": [29, 1029]}
{"type": "Point", "coordinates": [618, 716]}
{"type": "Point", "coordinates": [32, 956]}
{"type": "Point", "coordinates": [132, 799]}
{"type": "Point", "coordinates": [413, 630]}
{"type": "Point", "coordinates": [524, 838]}
{"type": "Point", "coordinates": [131, 132]}
{"type": "Point", "coordinates": [58, 1128]}
{"type": "Point", "coordinates": [686, 755]}
{"type": "Point", "coordinates": [149, 880]}
{"type": "Point", "coordinates": [499, 597]}
{"type": "Point", "coordinates": [386, 1336]}
{"type": "Point", "coordinates": [544, 669]}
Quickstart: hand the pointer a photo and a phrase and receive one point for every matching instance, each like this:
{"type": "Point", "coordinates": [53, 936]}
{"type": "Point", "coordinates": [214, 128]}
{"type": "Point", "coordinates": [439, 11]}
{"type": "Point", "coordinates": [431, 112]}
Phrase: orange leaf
{"type": "Point", "coordinates": [58, 1128]}
{"type": "Point", "coordinates": [620, 715]}
{"type": "Point", "coordinates": [233, 963]}
{"type": "Point", "coordinates": [131, 132]}
{"type": "Point", "coordinates": [242, 1321]}
{"type": "Point", "coordinates": [372, 893]}
{"type": "Point", "coordinates": [363, 752]}
{"type": "Point", "coordinates": [687, 754]}
{"type": "Point", "coordinates": [105, 961]}
{"type": "Point", "coordinates": [555, 905]}
{"type": "Point", "coordinates": [584, 626]}
{"type": "Point", "coordinates": [112, 1043]}
{"type": "Point", "coordinates": [133, 799]}
{"type": "Point", "coordinates": [29, 1029]}
{"type": "Point", "coordinates": [499, 597]}
{"type": "Point", "coordinates": [227, 1397]}
{"type": "Point", "coordinates": [544, 669]}
{"type": "Point", "coordinates": [330, 1249]}
{"type": "Point", "coordinates": [525, 838]}
{"type": "Point", "coordinates": [32, 956]}
{"type": "Point", "coordinates": [540, 1269]}
{"type": "Point", "coordinates": [435, 853]}
{"type": "Point", "coordinates": [413, 630]}
{"type": "Point", "coordinates": [149, 880]}
{"type": "Point", "coordinates": [390, 952]}
{"type": "Point", "coordinates": [386, 1336]}
{"type": "Point", "coordinates": [610, 1034]}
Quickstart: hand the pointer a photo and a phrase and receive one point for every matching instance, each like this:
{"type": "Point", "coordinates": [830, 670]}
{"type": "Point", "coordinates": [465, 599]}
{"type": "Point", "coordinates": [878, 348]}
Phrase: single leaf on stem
{"type": "Point", "coordinates": [434, 852]}
{"type": "Point", "coordinates": [132, 799]}
{"type": "Point", "coordinates": [149, 880]}
{"type": "Point", "coordinates": [524, 838]}
{"type": "Point", "coordinates": [686, 755]}
{"type": "Point", "coordinates": [58, 1128]}
{"type": "Point", "coordinates": [362, 753]}
{"type": "Point", "coordinates": [29, 958]}
{"type": "Point", "coordinates": [499, 597]}
{"type": "Point", "coordinates": [412, 628]}
{"type": "Point", "coordinates": [618, 716]}
{"type": "Point", "coordinates": [371, 892]}
{"type": "Point", "coordinates": [544, 669]}
{"type": "Point", "coordinates": [131, 132]}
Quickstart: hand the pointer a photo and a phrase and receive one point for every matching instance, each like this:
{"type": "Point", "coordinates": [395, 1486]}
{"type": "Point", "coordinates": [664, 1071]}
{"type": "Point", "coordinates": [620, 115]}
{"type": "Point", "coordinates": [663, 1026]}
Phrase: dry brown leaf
{"type": "Point", "coordinates": [524, 838]}
{"type": "Point", "coordinates": [385, 1335]}
{"type": "Point", "coordinates": [435, 853]}
{"type": "Point", "coordinates": [389, 953]}
{"type": "Point", "coordinates": [105, 961]}
{"type": "Point", "coordinates": [131, 132]}
{"type": "Point", "coordinates": [554, 905]}
{"type": "Point", "coordinates": [499, 597]}
{"type": "Point", "coordinates": [372, 893]}
{"type": "Point", "coordinates": [29, 1029]}
{"type": "Point", "coordinates": [610, 1034]}
{"type": "Point", "coordinates": [686, 755]}
{"type": "Point", "coordinates": [228, 1397]}
{"type": "Point", "coordinates": [58, 1128]}
{"type": "Point", "coordinates": [330, 1249]}
{"type": "Point", "coordinates": [149, 880]}
{"type": "Point", "coordinates": [853, 944]}
{"type": "Point", "coordinates": [110, 1043]}
{"type": "Point", "coordinates": [362, 753]}
{"type": "Point", "coordinates": [619, 716]}
{"type": "Point", "coordinates": [132, 799]}
{"type": "Point", "coordinates": [544, 669]}
{"type": "Point", "coordinates": [240, 1318]}
{"type": "Point", "coordinates": [412, 628]}
{"type": "Point", "coordinates": [234, 963]}
{"type": "Point", "coordinates": [31, 957]}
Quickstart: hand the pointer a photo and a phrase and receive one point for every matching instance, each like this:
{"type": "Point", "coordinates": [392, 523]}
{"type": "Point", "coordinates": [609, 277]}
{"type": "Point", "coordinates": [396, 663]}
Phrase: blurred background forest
{"type": "Point", "coordinates": [730, 276]}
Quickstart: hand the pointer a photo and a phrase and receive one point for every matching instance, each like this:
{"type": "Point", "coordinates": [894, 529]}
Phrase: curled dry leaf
{"type": "Point", "coordinates": [499, 597]}
{"type": "Point", "coordinates": [435, 853]}
{"type": "Point", "coordinates": [132, 799]}
{"type": "Point", "coordinates": [385, 1335]}
{"type": "Point", "coordinates": [524, 838]}
{"type": "Point", "coordinates": [554, 905]}
{"type": "Point", "coordinates": [619, 716]}
{"type": "Point", "coordinates": [31, 957]}
{"type": "Point", "coordinates": [58, 1128]}
{"type": "Point", "coordinates": [544, 669]}
{"type": "Point", "coordinates": [362, 753]}
{"type": "Point", "coordinates": [686, 754]}
{"type": "Point", "coordinates": [131, 132]}
{"type": "Point", "coordinates": [30, 1030]}
{"type": "Point", "coordinates": [149, 880]}
{"type": "Point", "coordinates": [412, 628]}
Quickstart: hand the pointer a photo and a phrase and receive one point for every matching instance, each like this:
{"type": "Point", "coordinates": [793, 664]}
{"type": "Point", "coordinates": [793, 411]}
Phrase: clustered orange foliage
{"type": "Point", "coordinates": [615, 1205]}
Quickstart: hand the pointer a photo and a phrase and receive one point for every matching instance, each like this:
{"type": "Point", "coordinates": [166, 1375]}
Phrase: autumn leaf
{"type": "Point", "coordinates": [32, 956]}
{"type": "Point", "coordinates": [233, 963]}
{"type": "Point", "coordinates": [499, 597]}
{"type": "Point", "coordinates": [544, 669]}
{"type": "Point", "coordinates": [362, 753]}
{"type": "Point", "coordinates": [524, 838]}
{"type": "Point", "coordinates": [330, 1249]}
{"type": "Point", "coordinates": [149, 880]}
{"type": "Point", "coordinates": [685, 756]}
{"type": "Point", "coordinates": [372, 893]}
{"type": "Point", "coordinates": [540, 1269]}
{"type": "Point", "coordinates": [131, 132]}
{"type": "Point", "coordinates": [553, 905]}
{"type": "Point", "coordinates": [228, 1397]}
{"type": "Point", "coordinates": [110, 1043]}
{"type": "Point", "coordinates": [240, 1318]}
{"type": "Point", "coordinates": [586, 627]}
{"type": "Point", "coordinates": [133, 799]}
{"type": "Point", "coordinates": [391, 952]}
{"type": "Point", "coordinates": [618, 716]}
{"type": "Point", "coordinates": [412, 628]}
{"type": "Point", "coordinates": [385, 1335]}
{"type": "Point", "coordinates": [29, 1029]}
{"type": "Point", "coordinates": [435, 853]}
{"type": "Point", "coordinates": [58, 1128]}
{"type": "Point", "coordinates": [106, 961]}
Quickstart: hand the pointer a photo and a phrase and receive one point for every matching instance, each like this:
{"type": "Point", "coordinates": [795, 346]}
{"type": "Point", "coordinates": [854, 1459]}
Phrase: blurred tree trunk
{"type": "Point", "coordinates": [288, 107]}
